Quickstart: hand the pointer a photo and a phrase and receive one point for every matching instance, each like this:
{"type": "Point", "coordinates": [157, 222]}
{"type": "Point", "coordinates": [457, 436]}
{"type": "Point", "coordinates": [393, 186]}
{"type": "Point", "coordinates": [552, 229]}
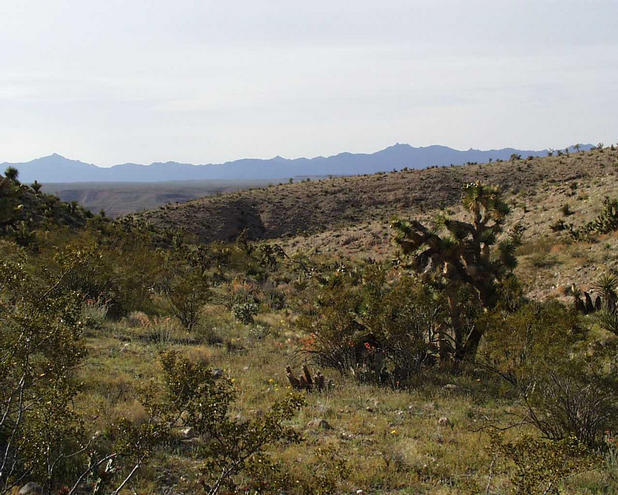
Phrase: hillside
{"type": "Point", "coordinates": [324, 205]}
{"type": "Point", "coordinates": [24, 208]}
{"type": "Point", "coordinates": [349, 217]}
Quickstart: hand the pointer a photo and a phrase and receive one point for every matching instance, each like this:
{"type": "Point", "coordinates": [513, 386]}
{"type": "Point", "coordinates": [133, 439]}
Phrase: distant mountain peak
{"type": "Point", "coordinates": [53, 155]}
{"type": "Point", "coordinates": [57, 168]}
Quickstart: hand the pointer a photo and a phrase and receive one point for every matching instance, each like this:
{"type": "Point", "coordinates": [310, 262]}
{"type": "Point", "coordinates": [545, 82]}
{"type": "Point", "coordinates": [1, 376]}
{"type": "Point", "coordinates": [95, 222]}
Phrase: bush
{"type": "Point", "coordinates": [40, 347]}
{"type": "Point", "coordinates": [380, 332]}
{"type": "Point", "coordinates": [186, 296]}
{"type": "Point", "coordinates": [540, 466]}
{"type": "Point", "coordinates": [530, 341]}
{"type": "Point", "coordinates": [567, 405]}
{"type": "Point", "coordinates": [608, 320]}
{"type": "Point", "coordinates": [230, 444]}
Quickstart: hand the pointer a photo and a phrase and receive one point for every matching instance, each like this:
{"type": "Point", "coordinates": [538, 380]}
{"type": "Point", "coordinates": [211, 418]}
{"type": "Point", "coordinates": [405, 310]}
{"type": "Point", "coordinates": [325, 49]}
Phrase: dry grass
{"type": "Point", "coordinates": [391, 439]}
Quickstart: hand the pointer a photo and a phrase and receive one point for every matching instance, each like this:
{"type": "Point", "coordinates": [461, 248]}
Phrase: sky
{"type": "Point", "coordinates": [208, 81]}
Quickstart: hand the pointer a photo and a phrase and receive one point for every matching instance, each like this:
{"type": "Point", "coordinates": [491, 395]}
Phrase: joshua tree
{"type": "Point", "coordinates": [11, 173]}
{"type": "Point", "coordinates": [463, 257]}
{"type": "Point", "coordinates": [606, 287]}
{"type": "Point", "coordinates": [36, 186]}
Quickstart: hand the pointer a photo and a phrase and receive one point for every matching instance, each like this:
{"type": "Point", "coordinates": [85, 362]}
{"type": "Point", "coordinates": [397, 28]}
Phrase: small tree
{"type": "Point", "coordinates": [461, 259]}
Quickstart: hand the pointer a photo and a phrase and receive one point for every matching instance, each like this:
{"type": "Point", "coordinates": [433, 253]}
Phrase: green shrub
{"type": "Point", "coordinates": [532, 340]}
{"type": "Point", "coordinates": [541, 465]}
{"type": "Point", "coordinates": [186, 295]}
{"type": "Point", "coordinates": [40, 347]}
{"type": "Point", "coordinates": [567, 404]}
{"type": "Point", "coordinates": [380, 332]}
{"type": "Point", "coordinates": [230, 444]}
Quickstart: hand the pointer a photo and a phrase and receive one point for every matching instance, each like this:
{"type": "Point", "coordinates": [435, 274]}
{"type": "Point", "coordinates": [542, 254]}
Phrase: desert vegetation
{"type": "Point", "coordinates": [149, 354]}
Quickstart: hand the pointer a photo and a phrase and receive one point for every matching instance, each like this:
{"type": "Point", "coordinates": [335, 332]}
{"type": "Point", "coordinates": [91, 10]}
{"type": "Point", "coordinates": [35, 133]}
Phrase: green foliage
{"type": "Point", "coordinates": [203, 401]}
{"type": "Point", "coordinates": [11, 173]}
{"type": "Point", "coordinates": [186, 294]}
{"type": "Point", "coordinates": [120, 270]}
{"type": "Point", "coordinates": [608, 320]}
{"type": "Point", "coordinates": [535, 338]}
{"type": "Point", "coordinates": [24, 209]}
{"type": "Point", "coordinates": [537, 349]}
{"type": "Point", "coordinates": [568, 404]}
{"type": "Point", "coordinates": [42, 436]}
{"type": "Point", "coordinates": [40, 346]}
{"type": "Point", "coordinates": [540, 465]}
{"type": "Point", "coordinates": [380, 331]}
{"type": "Point", "coordinates": [604, 223]}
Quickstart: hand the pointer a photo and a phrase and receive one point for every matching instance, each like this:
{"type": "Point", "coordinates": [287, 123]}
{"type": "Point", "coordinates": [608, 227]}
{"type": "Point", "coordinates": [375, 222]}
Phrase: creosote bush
{"type": "Point", "coordinates": [541, 465]}
{"type": "Point", "coordinates": [202, 400]}
{"type": "Point", "coordinates": [379, 331]}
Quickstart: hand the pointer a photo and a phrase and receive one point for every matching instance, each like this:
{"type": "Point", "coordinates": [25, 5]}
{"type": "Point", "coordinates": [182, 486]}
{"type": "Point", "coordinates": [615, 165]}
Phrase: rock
{"type": "Point", "coordinates": [187, 432]}
{"type": "Point", "coordinates": [321, 424]}
{"type": "Point", "coordinates": [31, 488]}
{"type": "Point", "coordinates": [444, 421]}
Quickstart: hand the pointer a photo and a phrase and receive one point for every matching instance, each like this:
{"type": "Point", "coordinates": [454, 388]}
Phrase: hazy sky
{"type": "Point", "coordinates": [207, 81]}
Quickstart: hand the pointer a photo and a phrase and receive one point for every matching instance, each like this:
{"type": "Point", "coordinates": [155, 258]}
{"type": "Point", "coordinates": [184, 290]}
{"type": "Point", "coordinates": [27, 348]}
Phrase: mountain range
{"type": "Point", "coordinates": [56, 168]}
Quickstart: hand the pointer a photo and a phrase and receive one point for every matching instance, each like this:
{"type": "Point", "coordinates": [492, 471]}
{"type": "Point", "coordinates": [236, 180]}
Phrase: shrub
{"type": "Point", "coordinates": [186, 296]}
{"type": "Point", "coordinates": [566, 210]}
{"type": "Point", "coordinates": [380, 332]}
{"type": "Point", "coordinates": [230, 444]}
{"type": "Point", "coordinates": [608, 320]}
{"type": "Point", "coordinates": [568, 404]}
{"type": "Point", "coordinates": [40, 347]}
{"type": "Point", "coordinates": [94, 313]}
{"type": "Point", "coordinates": [42, 435]}
{"type": "Point", "coordinates": [540, 465]}
{"type": "Point", "coordinates": [537, 337]}
{"type": "Point", "coordinates": [604, 223]}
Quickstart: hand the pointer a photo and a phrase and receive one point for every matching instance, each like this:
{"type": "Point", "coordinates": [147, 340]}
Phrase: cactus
{"type": "Point", "coordinates": [306, 381]}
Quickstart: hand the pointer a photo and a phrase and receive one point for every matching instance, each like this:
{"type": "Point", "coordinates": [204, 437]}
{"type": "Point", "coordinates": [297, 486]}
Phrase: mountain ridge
{"type": "Point", "coordinates": [56, 168]}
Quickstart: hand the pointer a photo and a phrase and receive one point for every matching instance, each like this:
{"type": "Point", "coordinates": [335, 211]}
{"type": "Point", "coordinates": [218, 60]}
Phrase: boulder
{"type": "Point", "coordinates": [31, 488]}
{"type": "Point", "coordinates": [322, 424]}
{"type": "Point", "coordinates": [444, 421]}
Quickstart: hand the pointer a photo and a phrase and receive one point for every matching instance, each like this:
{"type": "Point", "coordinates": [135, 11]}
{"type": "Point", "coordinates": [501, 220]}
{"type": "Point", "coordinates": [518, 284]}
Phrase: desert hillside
{"type": "Point", "coordinates": [313, 207]}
